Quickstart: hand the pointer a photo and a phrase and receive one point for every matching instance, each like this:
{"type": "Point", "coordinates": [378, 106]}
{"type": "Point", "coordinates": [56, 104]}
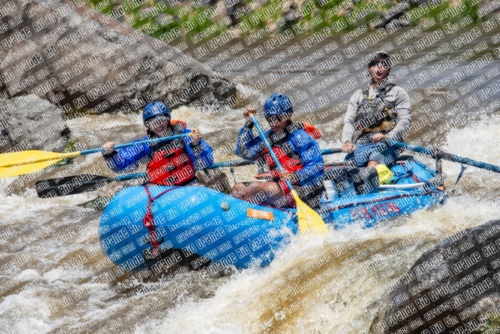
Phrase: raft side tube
{"type": "Point", "coordinates": [192, 220]}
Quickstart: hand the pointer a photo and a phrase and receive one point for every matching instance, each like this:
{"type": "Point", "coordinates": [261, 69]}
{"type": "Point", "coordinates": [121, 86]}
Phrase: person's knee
{"type": "Point", "coordinates": [272, 189]}
{"type": "Point", "coordinates": [239, 190]}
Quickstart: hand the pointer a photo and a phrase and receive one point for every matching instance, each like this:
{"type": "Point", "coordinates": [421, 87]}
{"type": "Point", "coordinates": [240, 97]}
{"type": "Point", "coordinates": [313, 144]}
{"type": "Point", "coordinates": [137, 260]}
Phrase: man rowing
{"type": "Point", "coordinates": [378, 112]}
{"type": "Point", "coordinates": [171, 163]}
{"type": "Point", "coordinates": [297, 151]}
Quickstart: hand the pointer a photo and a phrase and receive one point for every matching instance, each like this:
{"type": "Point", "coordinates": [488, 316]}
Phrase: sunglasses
{"type": "Point", "coordinates": [274, 120]}
{"type": "Point", "coordinates": [156, 122]}
{"type": "Point", "coordinates": [384, 63]}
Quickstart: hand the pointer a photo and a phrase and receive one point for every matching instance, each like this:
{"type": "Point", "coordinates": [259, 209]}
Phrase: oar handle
{"type": "Point", "coordinates": [437, 154]}
{"type": "Point", "coordinates": [331, 151]}
{"type": "Point", "coordinates": [231, 163]}
{"type": "Point", "coordinates": [270, 149]}
{"type": "Point", "coordinates": [146, 141]}
{"type": "Point", "coordinates": [132, 176]}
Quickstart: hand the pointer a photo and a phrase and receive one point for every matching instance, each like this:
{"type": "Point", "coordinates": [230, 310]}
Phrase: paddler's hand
{"type": "Point", "coordinates": [196, 135]}
{"type": "Point", "coordinates": [378, 137]}
{"type": "Point", "coordinates": [348, 147]}
{"type": "Point", "coordinates": [108, 148]}
{"type": "Point", "coordinates": [249, 111]}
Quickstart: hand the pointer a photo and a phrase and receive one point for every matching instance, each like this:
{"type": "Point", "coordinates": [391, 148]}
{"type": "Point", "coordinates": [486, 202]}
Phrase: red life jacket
{"type": "Point", "coordinates": [289, 159]}
{"type": "Point", "coordinates": [171, 165]}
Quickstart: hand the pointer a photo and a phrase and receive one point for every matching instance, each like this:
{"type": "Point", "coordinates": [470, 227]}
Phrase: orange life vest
{"type": "Point", "coordinates": [311, 130]}
{"type": "Point", "coordinates": [171, 165]}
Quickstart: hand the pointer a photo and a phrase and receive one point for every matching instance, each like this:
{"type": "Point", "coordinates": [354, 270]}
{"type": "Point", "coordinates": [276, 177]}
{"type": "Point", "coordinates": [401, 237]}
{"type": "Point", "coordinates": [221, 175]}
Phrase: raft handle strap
{"type": "Point", "coordinates": [148, 220]}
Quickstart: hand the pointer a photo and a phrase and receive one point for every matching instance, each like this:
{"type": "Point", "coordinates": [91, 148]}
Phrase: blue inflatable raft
{"type": "Point", "coordinates": [209, 228]}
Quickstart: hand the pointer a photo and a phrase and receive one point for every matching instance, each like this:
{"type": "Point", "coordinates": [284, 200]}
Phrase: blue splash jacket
{"type": "Point", "coordinates": [251, 147]}
{"type": "Point", "coordinates": [129, 159]}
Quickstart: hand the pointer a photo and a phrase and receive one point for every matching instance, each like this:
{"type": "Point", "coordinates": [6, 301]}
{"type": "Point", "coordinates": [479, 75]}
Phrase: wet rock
{"type": "Point", "coordinates": [393, 24]}
{"type": "Point", "coordinates": [453, 288]}
{"type": "Point", "coordinates": [488, 7]}
{"type": "Point", "coordinates": [392, 20]}
{"type": "Point", "coordinates": [31, 123]}
{"type": "Point", "coordinates": [81, 59]}
{"type": "Point", "coordinates": [232, 9]}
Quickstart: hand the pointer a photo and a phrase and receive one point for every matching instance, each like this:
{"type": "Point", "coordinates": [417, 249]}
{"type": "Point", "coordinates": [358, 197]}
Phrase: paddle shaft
{"type": "Point", "coordinates": [270, 149]}
{"type": "Point", "coordinates": [94, 150]}
{"type": "Point", "coordinates": [436, 154]}
{"type": "Point", "coordinates": [146, 141]}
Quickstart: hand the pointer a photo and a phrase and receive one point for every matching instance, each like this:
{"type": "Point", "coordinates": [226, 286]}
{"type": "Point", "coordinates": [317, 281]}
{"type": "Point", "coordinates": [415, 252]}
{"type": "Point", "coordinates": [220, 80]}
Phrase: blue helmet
{"type": "Point", "coordinates": [154, 109]}
{"type": "Point", "coordinates": [278, 105]}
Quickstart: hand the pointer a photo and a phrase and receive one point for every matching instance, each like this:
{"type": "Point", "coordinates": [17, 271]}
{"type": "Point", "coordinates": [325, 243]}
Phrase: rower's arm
{"type": "Point", "coordinates": [350, 118]}
{"type": "Point", "coordinates": [403, 111]}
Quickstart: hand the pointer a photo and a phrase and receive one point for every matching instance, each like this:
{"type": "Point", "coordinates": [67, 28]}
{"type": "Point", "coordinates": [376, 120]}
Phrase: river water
{"type": "Point", "coordinates": [54, 278]}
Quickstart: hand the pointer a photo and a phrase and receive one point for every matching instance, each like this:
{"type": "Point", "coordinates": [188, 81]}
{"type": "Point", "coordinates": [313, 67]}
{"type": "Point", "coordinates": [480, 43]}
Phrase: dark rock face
{"type": "Point", "coordinates": [31, 123]}
{"type": "Point", "coordinates": [452, 288]}
{"type": "Point", "coordinates": [72, 55]}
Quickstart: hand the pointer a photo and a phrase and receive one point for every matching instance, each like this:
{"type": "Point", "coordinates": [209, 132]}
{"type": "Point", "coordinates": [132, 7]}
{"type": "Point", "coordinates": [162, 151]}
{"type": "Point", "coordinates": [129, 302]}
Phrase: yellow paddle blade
{"type": "Point", "coordinates": [25, 169]}
{"type": "Point", "coordinates": [19, 163]}
{"type": "Point", "coordinates": [309, 220]}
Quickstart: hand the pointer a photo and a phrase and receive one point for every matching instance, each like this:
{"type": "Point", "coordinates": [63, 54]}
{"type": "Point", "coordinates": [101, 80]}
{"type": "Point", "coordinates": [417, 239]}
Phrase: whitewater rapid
{"type": "Point", "coordinates": [54, 277]}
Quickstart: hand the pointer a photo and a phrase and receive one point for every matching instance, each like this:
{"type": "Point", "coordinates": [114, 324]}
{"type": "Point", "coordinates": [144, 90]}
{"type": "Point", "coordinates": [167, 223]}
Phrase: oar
{"type": "Point", "coordinates": [309, 220]}
{"type": "Point", "coordinates": [243, 162]}
{"type": "Point", "coordinates": [19, 163]}
{"type": "Point", "coordinates": [437, 154]}
{"type": "Point", "coordinates": [71, 185]}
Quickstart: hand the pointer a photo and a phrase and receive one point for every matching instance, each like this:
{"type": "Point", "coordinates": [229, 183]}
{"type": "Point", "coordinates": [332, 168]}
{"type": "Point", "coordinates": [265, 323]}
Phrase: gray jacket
{"type": "Point", "coordinates": [402, 108]}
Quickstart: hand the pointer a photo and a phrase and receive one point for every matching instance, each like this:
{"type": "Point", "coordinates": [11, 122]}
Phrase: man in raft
{"type": "Point", "coordinates": [378, 112]}
{"type": "Point", "coordinates": [297, 151]}
{"type": "Point", "coordinates": [172, 163]}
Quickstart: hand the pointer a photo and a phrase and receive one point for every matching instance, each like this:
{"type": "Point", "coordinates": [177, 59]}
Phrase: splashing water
{"type": "Point", "coordinates": [54, 277]}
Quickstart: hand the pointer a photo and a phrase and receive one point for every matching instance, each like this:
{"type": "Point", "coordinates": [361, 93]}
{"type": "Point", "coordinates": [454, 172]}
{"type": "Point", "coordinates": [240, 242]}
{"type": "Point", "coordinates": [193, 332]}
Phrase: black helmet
{"type": "Point", "coordinates": [372, 61]}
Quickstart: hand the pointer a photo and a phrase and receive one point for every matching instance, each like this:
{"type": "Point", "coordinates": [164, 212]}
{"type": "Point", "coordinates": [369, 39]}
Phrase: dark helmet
{"type": "Point", "coordinates": [154, 109]}
{"type": "Point", "coordinates": [372, 61]}
{"type": "Point", "coordinates": [278, 105]}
